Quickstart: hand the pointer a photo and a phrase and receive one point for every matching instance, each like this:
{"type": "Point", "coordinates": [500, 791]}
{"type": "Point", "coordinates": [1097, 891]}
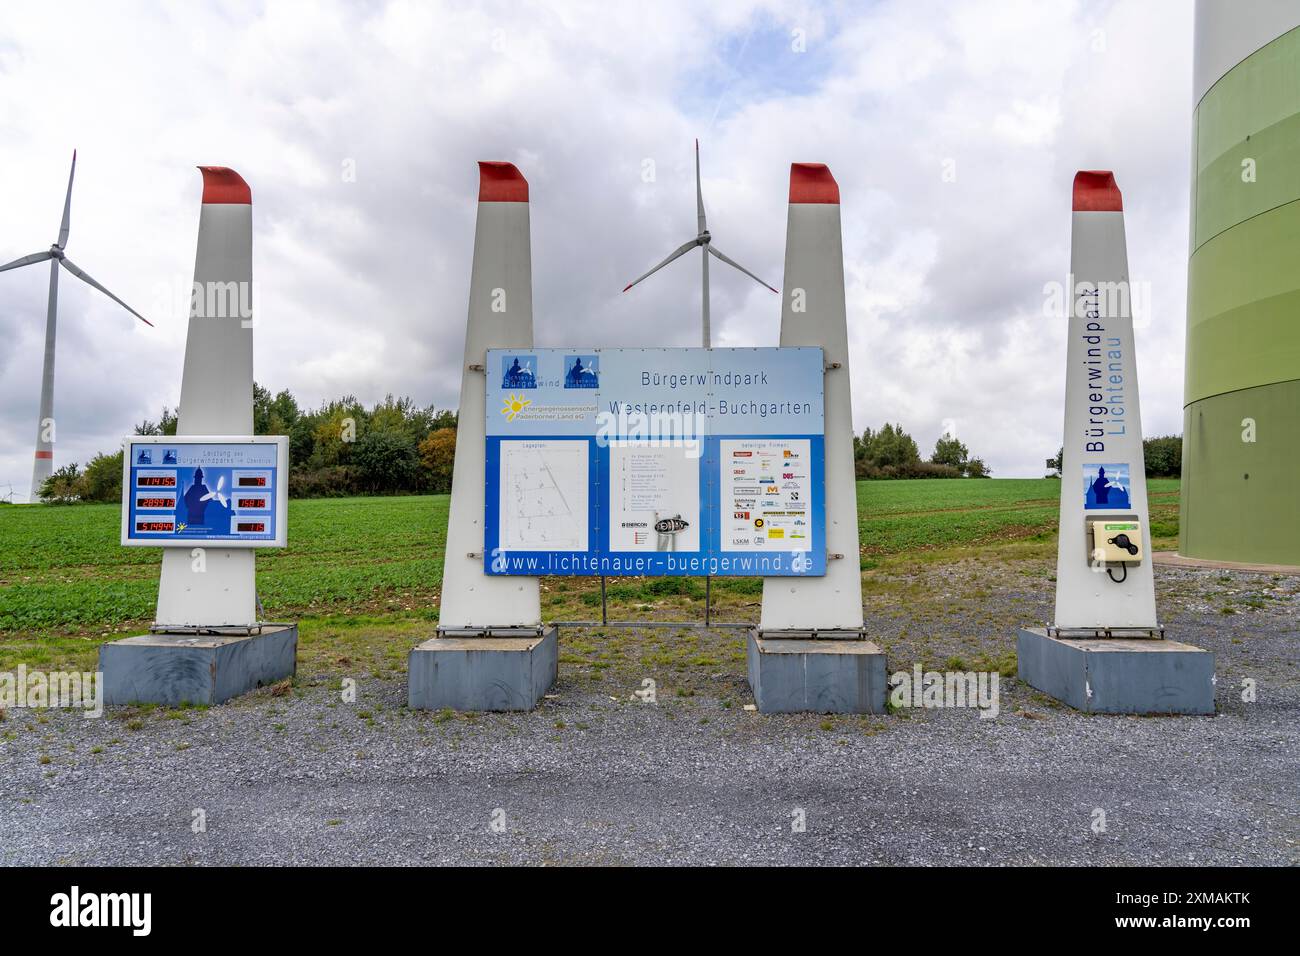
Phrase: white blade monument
{"type": "Point", "coordinates": [209, 495]}
{"type": "Point", "coordinates": [1105, 650]}
{"type": "Point", "coordinates": [491, 652]}
{"type": "Point", "coordinates": [810, 652]}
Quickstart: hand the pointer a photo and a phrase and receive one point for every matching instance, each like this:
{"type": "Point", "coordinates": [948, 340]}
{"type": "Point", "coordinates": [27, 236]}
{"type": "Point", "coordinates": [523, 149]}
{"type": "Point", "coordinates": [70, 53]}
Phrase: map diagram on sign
{"type": "Point", "coordinates": [766, 490]}
{"type": "Point", "coordinates": [544, 495]}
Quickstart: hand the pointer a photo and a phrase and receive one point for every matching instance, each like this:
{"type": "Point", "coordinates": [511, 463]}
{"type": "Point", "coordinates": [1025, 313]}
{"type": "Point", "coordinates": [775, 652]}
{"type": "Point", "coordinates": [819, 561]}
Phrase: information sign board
{"type": "Point", "coordinates": [655, 462]}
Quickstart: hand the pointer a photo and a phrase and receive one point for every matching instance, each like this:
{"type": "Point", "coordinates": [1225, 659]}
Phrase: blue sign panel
{"type": "Point", "coordinates": [655, 462]}
{"type": "Point", "coordinates": [182, 490]}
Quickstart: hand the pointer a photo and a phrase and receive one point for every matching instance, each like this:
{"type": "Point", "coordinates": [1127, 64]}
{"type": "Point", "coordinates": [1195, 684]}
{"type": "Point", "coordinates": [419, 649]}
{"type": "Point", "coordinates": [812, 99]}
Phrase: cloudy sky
{"type": "Point", "coordinates": [361, 286]}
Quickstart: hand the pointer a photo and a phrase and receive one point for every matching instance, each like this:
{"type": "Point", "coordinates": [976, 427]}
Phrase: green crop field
{"type": "Point", "coordinates": [64, 577]}
{"type": "Point", "coordinates": [900, 517]}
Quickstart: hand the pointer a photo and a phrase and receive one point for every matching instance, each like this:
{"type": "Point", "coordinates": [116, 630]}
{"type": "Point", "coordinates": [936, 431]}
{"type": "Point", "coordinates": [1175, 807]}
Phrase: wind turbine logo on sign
{"type": "Point", "coordinates": [704, 240]}
{"type": "Point", "coordinates": [218, 493]}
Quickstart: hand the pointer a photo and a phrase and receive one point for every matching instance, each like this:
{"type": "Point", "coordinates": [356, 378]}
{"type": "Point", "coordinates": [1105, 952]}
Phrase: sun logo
{"type": "Point", "coordinates": [514, 405]}
{"type": "Point", "coordinates": [181, 527]}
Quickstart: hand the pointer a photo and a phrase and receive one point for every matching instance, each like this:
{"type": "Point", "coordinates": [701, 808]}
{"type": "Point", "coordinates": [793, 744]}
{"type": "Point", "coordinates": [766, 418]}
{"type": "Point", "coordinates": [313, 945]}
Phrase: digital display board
{"type": "Point", "coordinates": [655, 462]}
{"type": "Point", "coordinates": [222, 490]}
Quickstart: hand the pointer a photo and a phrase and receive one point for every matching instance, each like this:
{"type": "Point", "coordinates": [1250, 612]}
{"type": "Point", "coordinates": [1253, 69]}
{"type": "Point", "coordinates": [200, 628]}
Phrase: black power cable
{"type": "Point", "coordinates": [1123, 542]}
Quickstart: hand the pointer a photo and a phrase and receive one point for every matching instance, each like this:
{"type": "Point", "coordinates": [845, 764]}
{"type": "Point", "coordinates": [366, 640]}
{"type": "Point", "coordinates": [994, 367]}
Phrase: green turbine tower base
{"type": "Point", "coordinates": [1241, 418]}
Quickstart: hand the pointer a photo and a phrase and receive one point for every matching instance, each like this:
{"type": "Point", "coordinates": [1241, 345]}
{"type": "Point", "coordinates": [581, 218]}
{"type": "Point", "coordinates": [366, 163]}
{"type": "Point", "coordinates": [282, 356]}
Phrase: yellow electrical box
{"type": "Point", "coordinates": [1116, 540]}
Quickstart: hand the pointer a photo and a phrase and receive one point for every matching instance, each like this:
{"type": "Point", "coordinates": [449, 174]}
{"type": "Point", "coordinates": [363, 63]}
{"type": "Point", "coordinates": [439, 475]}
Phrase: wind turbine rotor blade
{"type": "Point", "coordinates": [699, 194]}
{"type": "Point", "coordinates": [67, 205]}
{"type": "Point", "coordinates": [679, 251]}
{"type": "Point", "coordinates": [25, 261]}
{"type": "Point", "coordinates": [736, 265]}
{"type": "Point", "coordinates": [84, 277]}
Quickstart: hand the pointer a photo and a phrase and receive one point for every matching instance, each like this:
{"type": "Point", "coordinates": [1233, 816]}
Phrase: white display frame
{"type": "Point", "coordinates": [279, 490]}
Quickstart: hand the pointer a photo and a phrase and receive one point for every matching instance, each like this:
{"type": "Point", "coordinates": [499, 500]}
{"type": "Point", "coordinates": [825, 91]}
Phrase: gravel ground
{"type": "Point", "coordinates": [293, 775]}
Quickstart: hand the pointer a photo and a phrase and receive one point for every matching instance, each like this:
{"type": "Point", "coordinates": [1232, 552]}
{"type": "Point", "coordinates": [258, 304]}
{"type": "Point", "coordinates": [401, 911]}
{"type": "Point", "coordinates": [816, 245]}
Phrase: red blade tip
{"type": "Point", "coordinates": [813, 183]}
{"type": "Point", "coordinates": [501, 182]}
{"type": "Point", "coordinates": [1095, 190]}
{"type": "Point", "coordinates": [224, 186]}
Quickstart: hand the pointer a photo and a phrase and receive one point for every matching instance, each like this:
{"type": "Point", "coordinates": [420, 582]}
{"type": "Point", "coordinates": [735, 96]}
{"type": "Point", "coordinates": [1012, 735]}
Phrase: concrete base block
{"type": "Point", "coordinates": [483, 673]}
{"type": "Point", "coordinates": [177, 669]}
{"type": "Point", "coordinates": [820, 676]}
{"type": "Point", "coordinates": [1117, 675]}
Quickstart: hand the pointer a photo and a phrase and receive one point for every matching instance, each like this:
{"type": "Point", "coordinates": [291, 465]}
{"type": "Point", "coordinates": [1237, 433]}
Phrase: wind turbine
{"type": "Point", "coordinates": [44, 464]}
{"type": "Point", "coordinates": [705, 241]}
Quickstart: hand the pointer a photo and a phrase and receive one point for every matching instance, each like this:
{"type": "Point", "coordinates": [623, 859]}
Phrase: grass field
{"type": "Point", "coordinates": [358, 563]}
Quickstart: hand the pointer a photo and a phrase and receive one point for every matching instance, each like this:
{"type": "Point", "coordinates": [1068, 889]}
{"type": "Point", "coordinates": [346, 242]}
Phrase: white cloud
{"type": "Point", "coordinates": [362, 286]}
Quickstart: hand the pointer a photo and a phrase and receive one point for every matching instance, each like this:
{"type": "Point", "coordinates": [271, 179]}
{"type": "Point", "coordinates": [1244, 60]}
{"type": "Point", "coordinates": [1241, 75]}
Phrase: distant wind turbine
{"type": "Point", "coordinates": [705, 242]}
{"type": "Point", "coordinates": [44, 464]}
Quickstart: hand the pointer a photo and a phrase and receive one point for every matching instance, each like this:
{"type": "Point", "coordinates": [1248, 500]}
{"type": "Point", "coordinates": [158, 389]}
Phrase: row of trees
{"type": "Point", "coordinates": [1163, 457]}
{"type": "Point", "coordinates": [893, 453]}
{"type": "Point", "coordinates": [344, 448]}
{"type": "Point", "coordinates": [337, 450]}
